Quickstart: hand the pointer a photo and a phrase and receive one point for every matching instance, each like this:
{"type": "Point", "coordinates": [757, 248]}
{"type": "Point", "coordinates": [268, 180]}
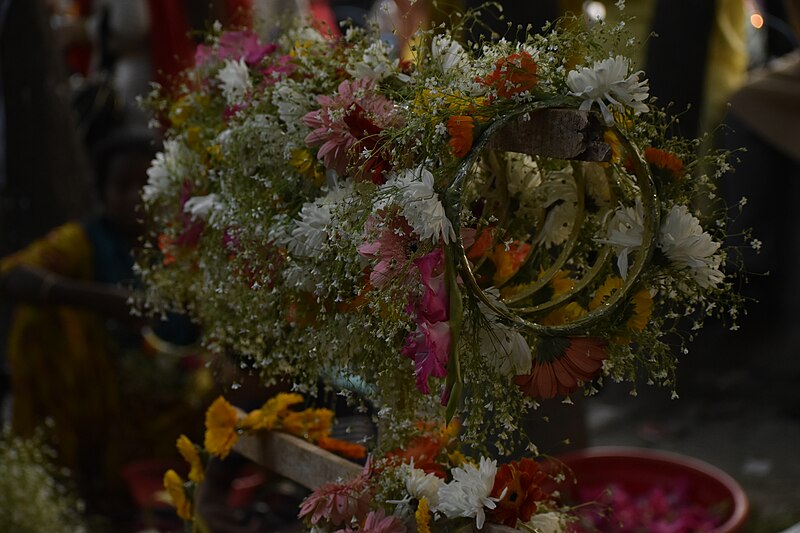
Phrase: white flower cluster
{"type": "Point", "coordinates": [413, 191]}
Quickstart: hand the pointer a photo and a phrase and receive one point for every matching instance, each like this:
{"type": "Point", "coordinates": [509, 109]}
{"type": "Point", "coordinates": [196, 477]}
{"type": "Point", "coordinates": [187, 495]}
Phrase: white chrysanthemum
{"type": "Point", "coordinates": [420, 205]}
{"type": "Point", "coordinates": [235, 80]}
{"type": "Point", "coordinates": [507, 349]}
{"type": "Point", "coordinates": [625, 233]}
{"type": "Point", "coordinates": [547, 523]}
{"type": "Point", "coordinates": [447, 53]}
{"type": "Point", "coordinates": [468, 494]}
{"type": "Point", "coordinates": [293, 102]}
{"type": "Point", "coordinates": [169, 166]}
{"type": "Point", "coordinates": [608, 81]}
{"type": "Point", "coordinates": [684, 242]}
{"type": "Point", "coordinates": [421, 485]}
{"type": "Point", "coordinates": [311, 231]}
{"type": "Point", "coordinates": [377, 62]}
{"type": "Point", "coordinates": [208, 208]}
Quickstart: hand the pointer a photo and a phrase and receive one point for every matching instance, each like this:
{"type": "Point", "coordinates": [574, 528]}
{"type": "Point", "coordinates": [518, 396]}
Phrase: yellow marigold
{"type": "Point", "coordinates": [304, 162]}
{"type": "Point", "coordinates": [177, 492]}
{"type": "Point", "coordinates": [423, 516]}
{"type": "Point", "coordinates": [616, 146]}
{"type": "Point", "coordinates": [268, 416]}
{"type": "Point", "coordinates": [220, 428]}
{"type": "Point", "coordinates": [451, 430]}
{"type": "Point", "coordinates": [456, 458]}
{"type": "Point", "coordinates": [310, 424]}
{"type": "Point", "coordinates": [564, 315]}
{"type": "Point", "coordinates": [189, 452]}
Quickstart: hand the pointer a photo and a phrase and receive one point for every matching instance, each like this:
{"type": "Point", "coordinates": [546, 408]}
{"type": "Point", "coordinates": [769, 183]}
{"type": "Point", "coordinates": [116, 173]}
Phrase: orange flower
{"type": "Point", "coordinates": [561, 365]}
{"type": "Point", "coordinates": [481, 244]}
{"type": "Point", "coordinates": [165, 246]}
{"type": "Point", "coordinates": [507, 260]}
{"type": "Point", "coordinates": [424, 450]}
{"type": "Point", "coordinates": [220, 428]}
{"type": "Point", "coordinates": [564, 314]}
{"type": "Point", "coordinates": [512, 75]}
{"type": "Point", "coordinates": [177, 492]}
{"type": "Point", "coordinates": [461, 130]}
{"type": "Point", "coordinates": [342, 447]}
{"type": "Point", "coordinates": [665, 161]}
{"type": "Point", "coordinates": [522, 481]}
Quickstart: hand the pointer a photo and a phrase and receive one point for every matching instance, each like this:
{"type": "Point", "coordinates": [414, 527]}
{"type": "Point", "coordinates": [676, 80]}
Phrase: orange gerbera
{"type": "Point", "coordinates": [342, 447]}
{"type": "Point", "coordinates": [512, 75]}
{"type": "Point", "coordinates": [562, 365]}
{"type": "Point", "coordinates": [220, 428]}
{"type": "Point", "coordinates": [461, 130]}
{"type": "Point", "coordinates": [522, 482]}
{"type": "Point", "coordinates": [424, 450]}
{"type": "Point", "coordinates": [665, 161]}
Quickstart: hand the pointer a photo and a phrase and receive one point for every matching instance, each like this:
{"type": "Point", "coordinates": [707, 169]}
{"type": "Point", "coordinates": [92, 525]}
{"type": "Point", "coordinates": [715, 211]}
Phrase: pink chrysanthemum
{"type": "Point", "coordinates": [378, 522]}
{"type": "Point", "coordinates": [356, 113]}
{"type": "Point", "coordinates": [339, 503]}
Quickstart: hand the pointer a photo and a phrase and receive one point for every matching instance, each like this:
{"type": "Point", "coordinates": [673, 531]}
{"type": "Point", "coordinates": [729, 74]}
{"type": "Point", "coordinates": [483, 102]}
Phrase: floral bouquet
{"type": "Point", "coordinates": [327, 211]}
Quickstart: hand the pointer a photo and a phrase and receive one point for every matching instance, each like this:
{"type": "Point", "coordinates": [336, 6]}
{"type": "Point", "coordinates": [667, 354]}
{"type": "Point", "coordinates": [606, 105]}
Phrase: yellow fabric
{"type": "Point", "coordinates": [60, 362]}
{"type": "Point", "coordinates": [66, 367]}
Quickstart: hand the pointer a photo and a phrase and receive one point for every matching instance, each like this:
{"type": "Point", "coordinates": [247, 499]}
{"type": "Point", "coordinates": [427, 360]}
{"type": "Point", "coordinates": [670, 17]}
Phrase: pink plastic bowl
{"type": "Point", "coordinates": [639, 469]}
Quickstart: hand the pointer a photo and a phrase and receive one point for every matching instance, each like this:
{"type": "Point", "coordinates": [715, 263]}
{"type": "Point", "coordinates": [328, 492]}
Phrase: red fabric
{"type": "Point", "coordinates": [240, 13]}
{"type": "Point", "coordinates": [323, 19]}
{"type": "Point", "coordinates": [172, 48]}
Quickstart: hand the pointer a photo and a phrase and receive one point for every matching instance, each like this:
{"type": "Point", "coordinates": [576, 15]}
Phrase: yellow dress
{"type": "Point", "coordinates": [109, 398]}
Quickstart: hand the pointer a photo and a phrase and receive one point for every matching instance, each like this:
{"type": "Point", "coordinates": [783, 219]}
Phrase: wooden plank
{"type": "Point", "coordinates": [296, 459]}
{"type": "Point", "coordinates": [559, 133]}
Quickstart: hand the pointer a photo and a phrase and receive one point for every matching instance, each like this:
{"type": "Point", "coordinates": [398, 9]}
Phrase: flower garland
{"type": "Point", "coordinates": [326, 210]}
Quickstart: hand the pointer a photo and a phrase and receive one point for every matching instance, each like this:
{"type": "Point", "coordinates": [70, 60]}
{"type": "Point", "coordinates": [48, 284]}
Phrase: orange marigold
{"type": "Point", "coordinates": [461, 130]}
{"type": "Point", "coordinates": [220, 428]}
{"type": "Point", "coordinates": [342, 447]}
{"type": "Point", "coordinates": [310, 424]}
{"type": "Point", "coordinates": [507, 260]}
{"type": "Point", "coordinates": [512, 75]}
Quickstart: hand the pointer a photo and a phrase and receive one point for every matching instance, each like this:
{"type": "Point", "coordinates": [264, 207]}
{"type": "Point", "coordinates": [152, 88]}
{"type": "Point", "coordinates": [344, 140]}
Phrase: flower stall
{"type": "Point", "coordinates": [450, 239]}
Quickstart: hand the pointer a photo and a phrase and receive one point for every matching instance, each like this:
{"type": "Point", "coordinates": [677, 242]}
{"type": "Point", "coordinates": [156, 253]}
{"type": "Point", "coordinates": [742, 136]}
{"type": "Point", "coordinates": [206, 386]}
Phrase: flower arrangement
{"type": "Point", "coordinates": [324, 209]}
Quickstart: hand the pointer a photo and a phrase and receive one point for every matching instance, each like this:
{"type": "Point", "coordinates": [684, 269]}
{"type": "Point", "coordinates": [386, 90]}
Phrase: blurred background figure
{"type": "Point", "coordinates": [78, 360]}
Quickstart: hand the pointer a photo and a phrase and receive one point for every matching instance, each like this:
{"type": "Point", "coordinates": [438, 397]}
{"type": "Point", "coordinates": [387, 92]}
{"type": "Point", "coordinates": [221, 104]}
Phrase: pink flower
{"type": "Point", "coordinates": [435, 304]}
{"type": "Point", "coordinates": [429, 347]}
{"type": "Point", "coordinates": [339, 503]}
{"type": "Point", "coordinates": [378, 522]}
{"type": "Point", "coordinates": [235, 45]}
{"type": "Point", "coordinates": [389, 248]}
{"type": "Point", "coordinates": [354, 114]}
{"type": "Point", "coordinates": [280, 68]}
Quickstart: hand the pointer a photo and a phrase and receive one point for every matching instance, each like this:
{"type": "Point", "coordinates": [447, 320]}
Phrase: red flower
{"type": "Point", "coordinates": [424, 450]}
{"type": "Point", "coordinates": [562, 364]}
{"type": "Point", "coordinates": [664, 161]}
{"type": "Point", "coordinates": [522, 481]}
{"type": "Point", "coordinates": [512, 75]}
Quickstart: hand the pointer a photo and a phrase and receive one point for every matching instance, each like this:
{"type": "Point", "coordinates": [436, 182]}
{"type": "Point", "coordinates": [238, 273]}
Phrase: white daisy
{"type": "Point", "coordinates": [547, 523]}
{"type": "Point", "coordinates": [468, 494]}
{"type": "Point", "coordinates": [684, 242]}
{"type": "Point", "coordinates": [206, 207]}
{"type": "Point", "coordinates": [447, 53]}
{"type": "Point", "coordinates": [420, 205]}
{"type": "Point", "coordinates": [626, 233]}
{"type": "Point", "coordinates": [235, 80]}
{"type": "Point", "coordinates": [608, 81]}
